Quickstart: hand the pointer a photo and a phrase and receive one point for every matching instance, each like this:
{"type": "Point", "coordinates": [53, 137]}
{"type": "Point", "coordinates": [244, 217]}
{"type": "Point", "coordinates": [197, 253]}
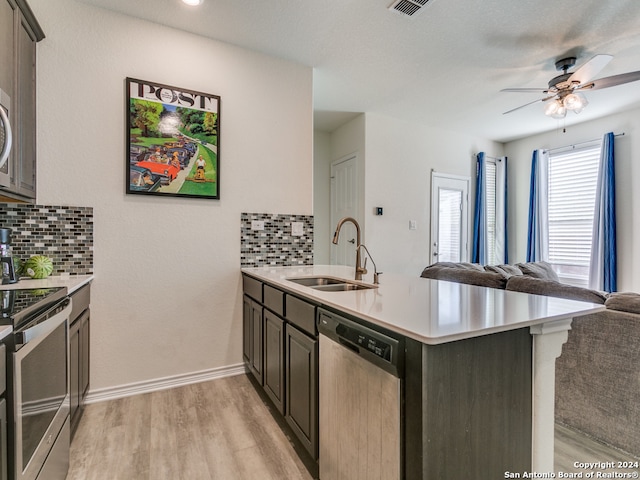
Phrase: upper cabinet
{"type": "Point", "coordinates": [19, 33]}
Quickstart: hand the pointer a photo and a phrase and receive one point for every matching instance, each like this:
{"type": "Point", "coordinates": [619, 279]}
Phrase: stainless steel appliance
{"type": "Point", "coordinates": [38, 368]}
{"type": "Point", "coordinates": [5, 139]}
{"type": "Point", "coordinates": [6, 257]}
{"type": "Point", "coordinates": [360, 399]}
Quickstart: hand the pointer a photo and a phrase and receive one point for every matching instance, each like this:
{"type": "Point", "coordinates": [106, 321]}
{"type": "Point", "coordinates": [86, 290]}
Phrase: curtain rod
{"type": "Point", "coordinates": [490, 157]}
{"type": "Point", "coordinates": [581, 143]}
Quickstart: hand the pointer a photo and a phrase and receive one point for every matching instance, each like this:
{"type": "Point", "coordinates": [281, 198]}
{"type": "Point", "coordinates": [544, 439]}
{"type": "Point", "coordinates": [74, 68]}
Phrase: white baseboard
{"type": "Point", "coordinates": [120, 391]}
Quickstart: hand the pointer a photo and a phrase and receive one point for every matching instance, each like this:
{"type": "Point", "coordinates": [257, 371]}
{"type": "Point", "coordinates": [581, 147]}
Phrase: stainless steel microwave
{"type": "Point", "coordinates": [5, 139]}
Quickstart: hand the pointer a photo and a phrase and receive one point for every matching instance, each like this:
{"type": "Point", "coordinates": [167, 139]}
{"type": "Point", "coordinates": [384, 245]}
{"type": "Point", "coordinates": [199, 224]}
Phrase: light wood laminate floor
{"type": "Point", "coordinates": [213, 430]}
{"type": "Point", "coordinates": [220, 430]}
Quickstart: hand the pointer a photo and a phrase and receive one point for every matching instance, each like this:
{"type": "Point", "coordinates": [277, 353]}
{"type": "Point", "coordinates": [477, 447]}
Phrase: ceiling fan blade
{"type": "Point", "coordinates": [613, 80]}
{"type": "Point", "coordinates": [530, 103]}
{"type": "Point", "coordinates": [525, 90]}
{"type": "Point", "coordinates": [590, 69]}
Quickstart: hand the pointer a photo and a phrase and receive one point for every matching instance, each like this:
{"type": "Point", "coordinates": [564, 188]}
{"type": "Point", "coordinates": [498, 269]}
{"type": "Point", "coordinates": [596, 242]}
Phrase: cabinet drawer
{"type": "Point", "coordinates": [274, 300]}
{"type": "Point", "coordinates": [252, 287]}
{"type": "Point", "coordinates": [301, 314]}
{"type": "Point", "coordinates": [81, 300]}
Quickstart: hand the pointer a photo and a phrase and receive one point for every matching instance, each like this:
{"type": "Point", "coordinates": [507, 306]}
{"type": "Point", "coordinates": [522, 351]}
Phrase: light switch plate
{"type": "Point", "coordinates": [413, 225]}
{"type": "Point", "coordinates": [257, 224]}
{"type": "Point", "coordinates": [297, 229]}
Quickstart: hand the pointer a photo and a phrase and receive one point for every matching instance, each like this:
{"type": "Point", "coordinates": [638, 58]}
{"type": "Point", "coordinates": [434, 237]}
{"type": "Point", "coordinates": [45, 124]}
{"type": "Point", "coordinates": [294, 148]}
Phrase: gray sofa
{"type": "Point", "coordinates": [598, 373]}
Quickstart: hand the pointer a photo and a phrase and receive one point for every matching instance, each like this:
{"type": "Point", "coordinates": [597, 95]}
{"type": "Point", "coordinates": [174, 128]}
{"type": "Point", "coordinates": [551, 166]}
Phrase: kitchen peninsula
{"type": "Point", "coordinates": [478, 371]}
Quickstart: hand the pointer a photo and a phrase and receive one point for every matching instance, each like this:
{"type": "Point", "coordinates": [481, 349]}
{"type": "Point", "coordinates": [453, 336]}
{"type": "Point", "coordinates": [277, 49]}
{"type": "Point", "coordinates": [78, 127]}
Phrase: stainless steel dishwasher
{"type": "Point", "coordinates": [360, 397]}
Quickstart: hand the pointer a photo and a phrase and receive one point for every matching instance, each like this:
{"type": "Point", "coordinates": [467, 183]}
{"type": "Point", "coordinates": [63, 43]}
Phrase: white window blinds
{"type": "Point", "coordinates": [572, 188]}
{"type": "Point", "coordinates": [450, 227]}
{"type": "Point", "coordinates": [490, 188]}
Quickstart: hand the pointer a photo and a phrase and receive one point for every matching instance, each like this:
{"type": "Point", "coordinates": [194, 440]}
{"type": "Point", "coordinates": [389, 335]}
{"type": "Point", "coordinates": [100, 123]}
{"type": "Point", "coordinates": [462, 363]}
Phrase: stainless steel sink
{"type": "Point", "coordinates": [316, 281]}
{"type": "Point", "coordinates": [329, 284]}
{"type": "Point", "coordinates": [342, 287]}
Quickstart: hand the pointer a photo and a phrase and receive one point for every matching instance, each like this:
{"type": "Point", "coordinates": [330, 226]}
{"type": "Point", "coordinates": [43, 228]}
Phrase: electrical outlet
{"type": "Point", "coordinates": [257, 224]}
{"type": "Point", "coordinates": [413, 225]}
{"type": "Point", "coordinates": [297, 229]}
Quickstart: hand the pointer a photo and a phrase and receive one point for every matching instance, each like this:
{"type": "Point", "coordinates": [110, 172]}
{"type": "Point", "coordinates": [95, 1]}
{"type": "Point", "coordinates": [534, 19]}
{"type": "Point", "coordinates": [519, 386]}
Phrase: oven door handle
{"type": "Point", "coordinates": [40, 330]}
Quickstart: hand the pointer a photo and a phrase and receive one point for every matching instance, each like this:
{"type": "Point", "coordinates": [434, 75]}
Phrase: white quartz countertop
{"type": "Point", "coordinates": [430, 311]}
{"type": "Point", "coordinates": [72, 282]}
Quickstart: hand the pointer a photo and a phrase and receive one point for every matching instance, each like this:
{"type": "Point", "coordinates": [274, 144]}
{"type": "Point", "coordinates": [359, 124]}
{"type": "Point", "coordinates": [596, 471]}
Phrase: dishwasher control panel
{"type": "Point", "coordinates": [366, 341]}
{"type": "Point", "coordinates": [376, 346]}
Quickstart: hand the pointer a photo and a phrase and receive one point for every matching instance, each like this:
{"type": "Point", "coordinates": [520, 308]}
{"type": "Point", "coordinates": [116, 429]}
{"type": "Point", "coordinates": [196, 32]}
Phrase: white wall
{"type": "Point", "coordinates": [346, 140]}
{"type": "Point", "coordinates": [627, 155]}
{"type": "Point", "coordinates": [396, 159]}
{"type": "Point", "coordinates": [321, 197]}
{"type": "Point", "coordinates": [399, 161]}
{"type": "Point", "coordinates": [166, 299]}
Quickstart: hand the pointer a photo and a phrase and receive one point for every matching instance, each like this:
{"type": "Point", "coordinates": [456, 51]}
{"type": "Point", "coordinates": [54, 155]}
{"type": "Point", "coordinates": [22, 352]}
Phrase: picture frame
{"type": "Point", "coordinates": [173, 141]}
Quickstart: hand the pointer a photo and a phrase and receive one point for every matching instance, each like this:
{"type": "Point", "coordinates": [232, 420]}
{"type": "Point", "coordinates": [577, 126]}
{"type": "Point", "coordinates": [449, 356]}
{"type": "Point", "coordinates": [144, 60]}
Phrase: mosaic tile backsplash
{"type": "Point", "coordinates": [65, 234]}
{"type": "Point", "coordinates": [275, 244]}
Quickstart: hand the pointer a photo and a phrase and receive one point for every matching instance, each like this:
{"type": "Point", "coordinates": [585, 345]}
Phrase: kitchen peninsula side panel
{"type": "Point", "coordinates": [468, 407]}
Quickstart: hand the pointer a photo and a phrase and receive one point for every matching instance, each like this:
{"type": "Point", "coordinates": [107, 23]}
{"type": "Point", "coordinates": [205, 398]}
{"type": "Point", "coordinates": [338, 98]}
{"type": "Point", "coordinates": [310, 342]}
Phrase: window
{"type": "Point", "coordinates": [573, 175]}
{"type": "Point", "coordinates": [450, 228]}
{"type": "Point", "coordinates": [449, 217]}
{"type": "Point", "coordinates": [490, 188]}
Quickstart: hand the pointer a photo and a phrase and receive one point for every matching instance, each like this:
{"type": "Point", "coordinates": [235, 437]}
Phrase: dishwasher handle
{"type": "Point", "coordinates": [349, 345]}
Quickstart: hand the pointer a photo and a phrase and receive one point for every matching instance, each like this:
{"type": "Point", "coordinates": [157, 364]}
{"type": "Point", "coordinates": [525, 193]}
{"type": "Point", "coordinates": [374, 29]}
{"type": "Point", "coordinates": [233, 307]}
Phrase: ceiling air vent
{"type": "Point", "coordinates": [407, 7]}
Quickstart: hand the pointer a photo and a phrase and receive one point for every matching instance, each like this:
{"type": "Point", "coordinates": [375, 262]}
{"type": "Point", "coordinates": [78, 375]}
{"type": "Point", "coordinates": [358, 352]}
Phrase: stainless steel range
{"type": "Point", "coordinates": [38, 382]}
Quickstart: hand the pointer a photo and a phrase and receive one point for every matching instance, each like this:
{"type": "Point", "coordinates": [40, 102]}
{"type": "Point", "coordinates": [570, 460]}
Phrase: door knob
{"type": "Point", "coordinates": [352, 241]}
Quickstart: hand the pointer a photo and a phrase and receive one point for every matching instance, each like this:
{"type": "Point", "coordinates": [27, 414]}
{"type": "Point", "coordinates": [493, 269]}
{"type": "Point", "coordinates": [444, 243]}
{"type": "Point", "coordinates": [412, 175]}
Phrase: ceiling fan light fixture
{"type": "Point", "coordinates": [552, 107]}
{"type": "Point", "coordinates": [575, 102]}
{"type": "Point", "coordinates": [560, 114]}
{"type": "Point", "coordinates": [555, 109]}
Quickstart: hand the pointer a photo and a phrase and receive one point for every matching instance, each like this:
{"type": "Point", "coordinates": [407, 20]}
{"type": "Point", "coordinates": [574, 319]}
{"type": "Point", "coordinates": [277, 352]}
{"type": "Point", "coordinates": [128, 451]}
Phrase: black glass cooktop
{"type": "Point", "coordinates": [21, 305]}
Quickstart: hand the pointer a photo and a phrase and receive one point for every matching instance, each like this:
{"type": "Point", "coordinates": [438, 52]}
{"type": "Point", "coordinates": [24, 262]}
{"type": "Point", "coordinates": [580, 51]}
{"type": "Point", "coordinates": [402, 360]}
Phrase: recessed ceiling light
{"type": "Point", "coordinates": [192, 2]}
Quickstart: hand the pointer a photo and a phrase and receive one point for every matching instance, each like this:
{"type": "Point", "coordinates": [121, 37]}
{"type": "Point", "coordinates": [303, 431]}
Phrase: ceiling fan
{"type": "Point", "coordinates": [565, 91]}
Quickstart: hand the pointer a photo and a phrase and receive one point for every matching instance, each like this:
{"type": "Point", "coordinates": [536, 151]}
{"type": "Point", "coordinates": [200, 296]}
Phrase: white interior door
{"type": "Point", "coordinates": [344, 203]}
{"type": "Point", "coordinates": [449, 218]}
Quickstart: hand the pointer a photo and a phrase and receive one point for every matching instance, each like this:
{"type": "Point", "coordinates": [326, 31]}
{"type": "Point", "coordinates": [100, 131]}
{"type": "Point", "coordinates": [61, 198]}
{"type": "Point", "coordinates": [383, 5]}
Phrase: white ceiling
{"type": "Point", "coordinates": [444, 66]}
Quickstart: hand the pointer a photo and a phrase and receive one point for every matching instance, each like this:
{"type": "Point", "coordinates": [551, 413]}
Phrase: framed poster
{"type": "Point", "coordinates": [173, 141]}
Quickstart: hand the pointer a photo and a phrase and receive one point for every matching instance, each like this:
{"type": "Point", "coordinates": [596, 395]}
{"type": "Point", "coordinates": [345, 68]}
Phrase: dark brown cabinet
{"type": "Point", "coordinates": [302, 387]}
{"type": "Point", "coordinates": [19, 33]}
{"type": "Point", "coordinates": [252, 341]}
{"type": "Point", "coordinates": [3, 413]}
{"type": "Point", "coordinates": [274, 359]}
{"type": "Point", "coordinates": [280, 348]}
{"type": "Point", "coordinates": [79, 350]}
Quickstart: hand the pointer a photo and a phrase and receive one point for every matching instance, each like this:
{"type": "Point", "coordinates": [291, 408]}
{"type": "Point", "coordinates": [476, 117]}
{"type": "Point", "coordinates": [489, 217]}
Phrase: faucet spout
{"type": "Point", "coordinates": [360, 270]}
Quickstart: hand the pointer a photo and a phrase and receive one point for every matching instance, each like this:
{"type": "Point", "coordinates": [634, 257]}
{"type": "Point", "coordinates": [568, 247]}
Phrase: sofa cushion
{"type": "Point", "coordinates": [624, 302]}
{"type": "Point", "coordinates": [469, 273]}
{"type": "Point", "coordinates": [541, 270]}
{"type": "Point", "coordinates": [505, 270]}
{"type": "Point", "coordinates": [539, 286]}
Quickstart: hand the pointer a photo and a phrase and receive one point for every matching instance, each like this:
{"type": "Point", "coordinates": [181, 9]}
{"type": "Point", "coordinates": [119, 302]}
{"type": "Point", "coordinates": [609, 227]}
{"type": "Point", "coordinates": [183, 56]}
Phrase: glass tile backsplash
{"type": "Point", "coordinates": [276, 239]}
{"type": "Point", "coordinates": [63, 233]}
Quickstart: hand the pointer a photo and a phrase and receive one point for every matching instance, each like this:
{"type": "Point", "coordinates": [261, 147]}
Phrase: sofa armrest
{"type": "Point", "coordinates": [538, 286]}
{"type": "Point", "coordinates": [470, 274]}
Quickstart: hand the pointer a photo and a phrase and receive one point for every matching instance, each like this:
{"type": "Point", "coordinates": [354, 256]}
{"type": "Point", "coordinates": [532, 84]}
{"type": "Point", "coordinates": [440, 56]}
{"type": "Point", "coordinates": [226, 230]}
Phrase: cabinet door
{"type": "Point", "coordinates": [252, 336]}
{"type": "Point", "coordinates": [274, 358]}
{"type": "Point", "coordinates": [74, 368]}
{"type": "Point", "coordinates": [302, 387]}
{"type": "Point", "coordinates": [6, 46]}
{"type": "Point", "coordinates": [25, 158]}
{"type": "Point", "coordinates": [84, 355]}
{"type": "Point", "coordinates": [246, 330]}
